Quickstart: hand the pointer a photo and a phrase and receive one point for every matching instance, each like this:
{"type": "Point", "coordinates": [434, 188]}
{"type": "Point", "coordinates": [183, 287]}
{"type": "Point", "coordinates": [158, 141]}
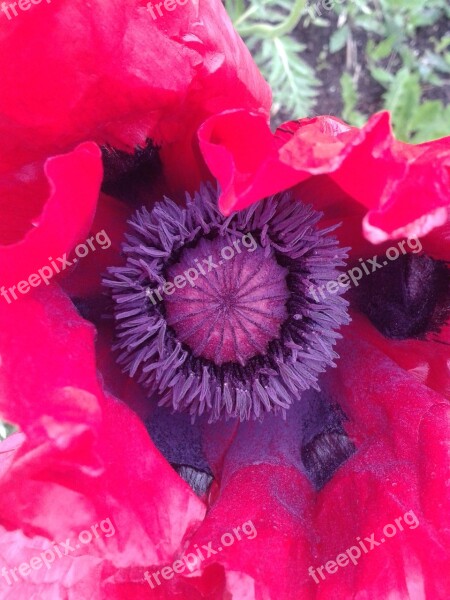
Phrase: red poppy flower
{"type": "Point", "coordinates": [91, 506]}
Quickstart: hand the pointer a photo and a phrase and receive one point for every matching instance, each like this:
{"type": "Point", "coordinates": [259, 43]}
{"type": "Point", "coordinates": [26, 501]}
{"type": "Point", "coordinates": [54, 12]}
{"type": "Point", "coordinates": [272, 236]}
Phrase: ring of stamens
{"type": "Point", "coordinates": [248, 337]}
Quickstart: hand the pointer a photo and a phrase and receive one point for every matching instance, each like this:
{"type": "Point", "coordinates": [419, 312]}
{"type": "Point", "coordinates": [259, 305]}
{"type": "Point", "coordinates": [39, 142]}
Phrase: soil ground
{"type": "Point", "coordinates": [329, 67]}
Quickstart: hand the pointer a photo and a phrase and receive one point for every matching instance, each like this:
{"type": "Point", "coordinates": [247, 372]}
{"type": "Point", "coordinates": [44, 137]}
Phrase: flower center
{"type": "Point", "coordinates": [234, 302]}
{"type": "Point", "coordinates": [215, 314]}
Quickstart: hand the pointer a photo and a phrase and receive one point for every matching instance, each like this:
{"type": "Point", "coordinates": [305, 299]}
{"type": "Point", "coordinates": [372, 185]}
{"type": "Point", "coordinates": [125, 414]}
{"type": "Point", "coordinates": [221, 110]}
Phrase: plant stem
{"type": "Point", "coordinates": [274, 31]}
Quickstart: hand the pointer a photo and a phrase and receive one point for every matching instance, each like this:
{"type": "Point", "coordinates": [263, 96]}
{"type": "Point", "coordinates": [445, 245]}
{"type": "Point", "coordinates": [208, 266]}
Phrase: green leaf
{"type": "Point", "coordinates": [443, 44]}
{"type": "Point", "coordinates": [291, 78]}
{"type": "Point", "coordinates": [349, 95]}
{"type": "Point", "coordinates": [270, 18]}
{"type": "Point", "coordinates": [402, 100]}
{"type": "Point", "coordinates": [381, 50]}
{"type": "Point", "coordinates": [383, 77]}
{"type": "Point", "coordinates": [371, 23]}
{"type": "Point", "coordinates": [339, 39]}
{"type": "Point", "coordinates": [350, 99]}
{"type": "Point", "coordinates": [430, 121]}
{"type": "Point", "coordinates": [235, 8]}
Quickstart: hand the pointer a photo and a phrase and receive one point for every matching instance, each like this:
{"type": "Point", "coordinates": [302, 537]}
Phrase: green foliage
{"type": "Point", "coordinates": [292, 79]}
{"type": "Point", "coordinates": [338, 40]}
{"type": "Point", "coordinates": [266, 26]}
{"type": "Point", "coordinates": [402, 100]}
{"type": "Point", "coordinates": [407, 73]}
{"type": "Point", "coordinates": [412, 75]}
{"type": "Point", "coordinates": [415, 120]}
{"type": "Point", "coordinates": [235, 8]}
{"type": "Point", "coordinates": [350, 100]}
{"type": "Point", "coordinates": [431, 120]}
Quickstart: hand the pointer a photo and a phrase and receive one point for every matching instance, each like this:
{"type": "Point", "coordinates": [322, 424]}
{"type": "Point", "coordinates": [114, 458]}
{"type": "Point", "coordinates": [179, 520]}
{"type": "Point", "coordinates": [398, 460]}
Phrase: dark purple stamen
{"type": "Point", "coordinates": [408, 298]}
{"type": "Point", "coordinates": [125, 174]}
{"type": "Point", "coordinates": [325, 445]}
{"type": "Point", "coordinates": [246, 338]}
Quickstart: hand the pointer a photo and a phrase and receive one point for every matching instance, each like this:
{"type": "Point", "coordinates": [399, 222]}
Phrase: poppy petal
{"type": "Point", "coordinates": [69, 200]}
{"type": "Point", "coordinates": [369, 165]}
{"type": "Point", "coordinates": [115, 74]}
{"type": "Point", "coordinates": [82, 449]}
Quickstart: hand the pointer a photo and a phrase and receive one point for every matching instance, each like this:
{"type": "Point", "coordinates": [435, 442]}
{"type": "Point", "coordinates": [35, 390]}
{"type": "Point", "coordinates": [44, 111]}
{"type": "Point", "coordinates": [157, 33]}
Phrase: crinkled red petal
{"type": "Point", "coordinates": [82, 449]}
{"type": "Point", "coordinates": [66, 213]}
{"type": "Point", "coordinates": [112, 73]}
{"type": "Point", "coordinates": [403, 188]}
